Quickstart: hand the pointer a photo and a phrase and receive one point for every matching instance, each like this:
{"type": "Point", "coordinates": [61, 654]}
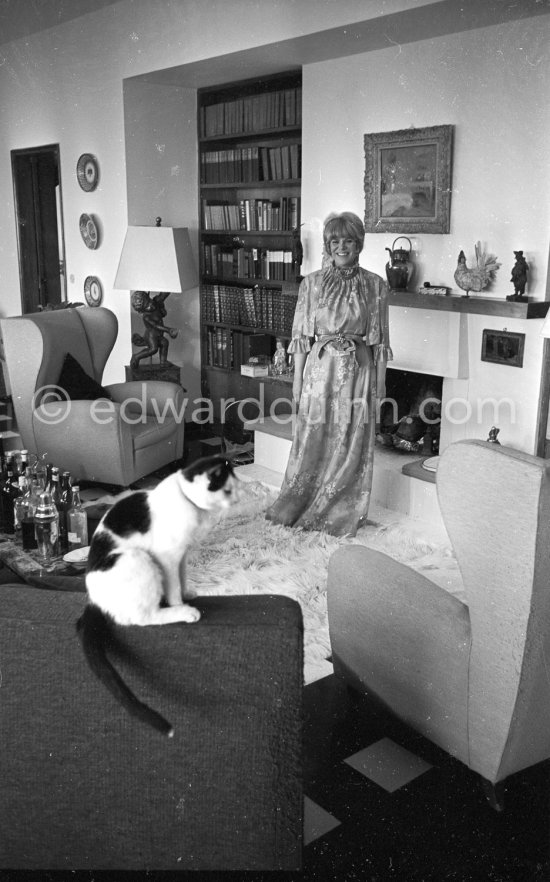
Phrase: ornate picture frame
{"type": "Point", "coordinates": [408, 180]}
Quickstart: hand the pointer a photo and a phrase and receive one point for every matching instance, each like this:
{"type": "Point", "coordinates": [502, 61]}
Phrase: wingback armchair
{"type": "Point", "coordinates": [472, 677]}
{"type": "Point", "coordinates": [114, 442]}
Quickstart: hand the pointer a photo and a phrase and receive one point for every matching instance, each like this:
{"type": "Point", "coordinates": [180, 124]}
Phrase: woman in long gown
{"type": "Point", "coordinates": [340, 345]}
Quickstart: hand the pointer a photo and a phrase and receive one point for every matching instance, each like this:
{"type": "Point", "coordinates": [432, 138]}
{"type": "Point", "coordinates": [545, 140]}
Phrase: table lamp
{"type": "Point", "coordinates": [155, 259]}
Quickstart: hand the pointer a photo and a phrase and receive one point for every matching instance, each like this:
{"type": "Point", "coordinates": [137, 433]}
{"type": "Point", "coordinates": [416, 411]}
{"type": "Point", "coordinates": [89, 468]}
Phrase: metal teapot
{"type": "Point", "coordinates": [399, 267]}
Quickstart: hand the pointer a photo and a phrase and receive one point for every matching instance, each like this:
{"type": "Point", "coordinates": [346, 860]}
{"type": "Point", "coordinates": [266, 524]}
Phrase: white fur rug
{"type": "Point", "coordinates": [242, 553]}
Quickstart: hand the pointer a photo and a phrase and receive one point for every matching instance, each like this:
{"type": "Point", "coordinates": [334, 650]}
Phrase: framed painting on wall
{"type": "Point", "coordinates": [408, 180]}
{"type": "Point", "coordinates": [503, 347]}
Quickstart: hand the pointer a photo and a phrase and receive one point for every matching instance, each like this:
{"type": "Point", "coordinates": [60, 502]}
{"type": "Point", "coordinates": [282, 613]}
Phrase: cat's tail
{"type": "Point", "coordinates": [93, 629]}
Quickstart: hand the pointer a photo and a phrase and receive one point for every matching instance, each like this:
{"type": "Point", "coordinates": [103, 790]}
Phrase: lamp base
{"type": "Point", "coordinates": [168, 372]}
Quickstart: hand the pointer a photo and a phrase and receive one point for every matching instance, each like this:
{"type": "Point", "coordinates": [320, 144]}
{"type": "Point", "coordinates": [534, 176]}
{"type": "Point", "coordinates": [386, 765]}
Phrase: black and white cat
{"type": "Point", "coordinates": [136, 565]}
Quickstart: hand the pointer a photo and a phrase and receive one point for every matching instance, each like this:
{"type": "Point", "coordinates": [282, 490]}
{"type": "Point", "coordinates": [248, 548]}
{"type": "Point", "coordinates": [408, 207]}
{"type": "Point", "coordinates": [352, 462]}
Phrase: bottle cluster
{"type": "Point", "coordinates": [40, 506]}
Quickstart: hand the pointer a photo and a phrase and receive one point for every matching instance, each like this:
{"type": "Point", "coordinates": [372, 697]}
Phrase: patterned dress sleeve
{"type": "Point", "coordinates": [303, 327]}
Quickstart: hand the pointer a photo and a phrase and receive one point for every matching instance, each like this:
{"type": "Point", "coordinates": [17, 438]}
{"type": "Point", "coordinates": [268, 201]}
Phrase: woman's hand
{"type": "Point", "coordinates": [299, 364]}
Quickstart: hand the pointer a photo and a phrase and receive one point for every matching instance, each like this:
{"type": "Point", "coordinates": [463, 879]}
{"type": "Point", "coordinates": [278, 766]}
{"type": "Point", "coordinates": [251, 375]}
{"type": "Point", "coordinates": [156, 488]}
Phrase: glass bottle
{"type": "Point", "coordinates": [46, 527]}
{"type": "Point", "coordinates": [24, 461]}
{"type": "Point", "coordinates": [20, 504]}
{"type": "Point", "coordinates": [7, 459]}
{"type": "Point", "coordinates": [27, 524]}
{"type": "Point", "coordinates": [77, 522]}
{"type": "Point", "coordinates": [15, 464]}
{"type": "Point", "coordinates": [3, 476]}
{"type": "Point", "coordinates": [9, 492]}
{"type": "Point", "coordinates": [55, 493]}
{"type": "Point", "coordinates": [63, 508]}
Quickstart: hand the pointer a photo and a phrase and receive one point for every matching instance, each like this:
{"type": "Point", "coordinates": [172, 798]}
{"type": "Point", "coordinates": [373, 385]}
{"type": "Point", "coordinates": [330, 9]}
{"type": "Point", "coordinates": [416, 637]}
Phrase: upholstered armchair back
{"type": "Point", "coordinates": [35, 346]}
{"type": "Point", "coordinates": [495, 502]}
{"type": "Point", "coordinates": [471, 676]}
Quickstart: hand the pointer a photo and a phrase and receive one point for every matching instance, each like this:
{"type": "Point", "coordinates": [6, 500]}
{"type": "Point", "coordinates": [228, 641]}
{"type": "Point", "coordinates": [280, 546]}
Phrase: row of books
{"type": "Point", "coordinates": [259, 307]}
{"type": "Point", "coordinates": [249, 164]}
{"type": "Point", "coordinates": [228, 262]}
{"type": "Point", "coordinates": [253, 113]}
{"type": "Point", "coordinates": [252, 214]}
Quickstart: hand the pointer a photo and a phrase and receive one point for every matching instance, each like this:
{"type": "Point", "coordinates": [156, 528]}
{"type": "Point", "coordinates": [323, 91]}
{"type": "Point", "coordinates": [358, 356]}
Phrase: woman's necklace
{"type": "Point", "coordinates": [347, 272]}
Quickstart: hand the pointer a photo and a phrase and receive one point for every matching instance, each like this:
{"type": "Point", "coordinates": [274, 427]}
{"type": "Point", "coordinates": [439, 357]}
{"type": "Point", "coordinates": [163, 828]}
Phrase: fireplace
{"type": "Point", "coordinates": [410, 414]}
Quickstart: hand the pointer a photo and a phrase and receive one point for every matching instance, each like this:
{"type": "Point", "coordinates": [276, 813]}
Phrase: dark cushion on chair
{"type": "Point", "coordinates": [77, 383]}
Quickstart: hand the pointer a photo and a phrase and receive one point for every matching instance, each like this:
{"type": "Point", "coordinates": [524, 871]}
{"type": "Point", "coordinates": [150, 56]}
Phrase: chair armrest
{"type": "Point", "coordinates": [86, 435]}
{"type": "Point", "coordinates": [155, 397]}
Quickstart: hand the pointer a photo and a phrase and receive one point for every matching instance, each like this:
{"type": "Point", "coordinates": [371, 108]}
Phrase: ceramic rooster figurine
{"type": "Point", "coordinates": [478, 278]}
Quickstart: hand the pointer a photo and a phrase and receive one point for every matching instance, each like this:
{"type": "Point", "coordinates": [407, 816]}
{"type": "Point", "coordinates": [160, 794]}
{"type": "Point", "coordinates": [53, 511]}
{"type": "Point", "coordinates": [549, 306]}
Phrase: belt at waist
{"type": "Point", "coordinates": [343, 344]}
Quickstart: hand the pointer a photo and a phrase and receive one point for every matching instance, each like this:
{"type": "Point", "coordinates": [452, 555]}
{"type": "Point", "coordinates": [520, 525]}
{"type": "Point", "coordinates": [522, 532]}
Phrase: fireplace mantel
{"type": "Point", "coordinates": [477, 305]}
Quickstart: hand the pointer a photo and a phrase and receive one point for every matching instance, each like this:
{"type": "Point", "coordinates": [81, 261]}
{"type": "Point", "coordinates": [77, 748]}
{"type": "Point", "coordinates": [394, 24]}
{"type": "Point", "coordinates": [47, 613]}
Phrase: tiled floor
{"type": "Point", "coordinates": [382, 803]}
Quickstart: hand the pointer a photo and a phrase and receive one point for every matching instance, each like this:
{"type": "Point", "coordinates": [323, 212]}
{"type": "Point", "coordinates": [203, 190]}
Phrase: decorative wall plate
{"type": "Point", "coordinates": [93, 292]}
{"type": "Point", "coordinates": [87, 172]}
{"type": "Point", "coordinates": [89, 231]}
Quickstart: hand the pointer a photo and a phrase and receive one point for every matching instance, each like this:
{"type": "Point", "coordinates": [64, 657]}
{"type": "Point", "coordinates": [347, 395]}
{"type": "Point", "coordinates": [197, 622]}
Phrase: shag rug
{"type": "Point", "coordinates": [243, 553]}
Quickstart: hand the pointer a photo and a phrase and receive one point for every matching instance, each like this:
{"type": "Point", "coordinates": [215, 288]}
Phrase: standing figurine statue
{"type": "Point", "coordinates": [493, 433]}
{"type": "Point", "coordinates": [153, 339]}
{"type": "Point", "coordinates": [519, 277]}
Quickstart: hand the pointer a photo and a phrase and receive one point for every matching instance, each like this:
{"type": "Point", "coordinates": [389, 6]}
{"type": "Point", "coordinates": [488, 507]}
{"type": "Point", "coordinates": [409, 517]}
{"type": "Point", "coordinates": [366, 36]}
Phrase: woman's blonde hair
{"type": "Point", "coordinates": [345, 224]}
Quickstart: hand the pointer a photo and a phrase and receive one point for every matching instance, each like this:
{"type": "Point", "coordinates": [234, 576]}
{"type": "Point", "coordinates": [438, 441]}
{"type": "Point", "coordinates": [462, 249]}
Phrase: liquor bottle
{"type": "Point", "coordinates": [55, 493]}
{"type": "Point", "coordinates": [23, 462]}
{"type": "Point", "coordinates": [3, 479]}
{"type": "Point", "coordinates": [3, 475]}
{"type": "Point", "coordinates": [20, 504]}
{"type": "Point", "coordinates": [63, 508]}
{"type": "Point", "coordinates": [15, 464]}
{"type": "Point", "coordinates": [77, 522]}
{"type": "Point", "coordinates": [48, 478]}
{"type": "Point", "coordinates": [46, 527]}
{"type": "Point", "coordinates": [9, 492]}
{"type": "Point", "coordinates": [32, 497]}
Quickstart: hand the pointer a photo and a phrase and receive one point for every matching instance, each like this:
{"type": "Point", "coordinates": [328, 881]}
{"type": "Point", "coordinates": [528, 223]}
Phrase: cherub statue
{"type": "Point", "coordinates": [153, 311]}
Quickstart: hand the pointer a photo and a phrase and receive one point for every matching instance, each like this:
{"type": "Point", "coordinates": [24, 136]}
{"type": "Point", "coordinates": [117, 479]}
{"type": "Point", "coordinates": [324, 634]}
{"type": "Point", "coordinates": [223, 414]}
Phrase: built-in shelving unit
{"type": "Point", "coordinates": [249, 205]}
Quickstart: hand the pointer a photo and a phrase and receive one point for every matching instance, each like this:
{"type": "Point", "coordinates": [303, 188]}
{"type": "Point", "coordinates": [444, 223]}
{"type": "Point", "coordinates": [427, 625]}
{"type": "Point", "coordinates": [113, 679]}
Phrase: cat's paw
{"type": "Point", "coordinates": [189, 614]}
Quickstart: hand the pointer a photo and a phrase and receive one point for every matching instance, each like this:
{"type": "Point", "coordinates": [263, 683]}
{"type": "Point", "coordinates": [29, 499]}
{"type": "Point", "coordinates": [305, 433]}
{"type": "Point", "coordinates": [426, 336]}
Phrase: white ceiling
{"type": "Point", "coordinates": [21, 18]}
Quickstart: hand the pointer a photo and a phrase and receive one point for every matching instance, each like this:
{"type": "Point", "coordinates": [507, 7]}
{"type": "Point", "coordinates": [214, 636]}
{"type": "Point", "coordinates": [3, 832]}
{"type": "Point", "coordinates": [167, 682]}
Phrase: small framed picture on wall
{"type": "Point", "coordinates": [503, 347]}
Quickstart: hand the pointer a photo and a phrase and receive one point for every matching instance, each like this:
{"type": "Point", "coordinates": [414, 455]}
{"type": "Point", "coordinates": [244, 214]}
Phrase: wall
{"type": "Point", "coordinates": [162, 181]}
{"type": "Point", "coordinates": [71, 85]}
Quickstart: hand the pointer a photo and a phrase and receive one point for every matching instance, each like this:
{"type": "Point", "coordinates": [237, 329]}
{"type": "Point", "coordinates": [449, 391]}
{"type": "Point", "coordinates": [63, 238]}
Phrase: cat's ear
{"type": "Point", "coordinates": [218, 475]}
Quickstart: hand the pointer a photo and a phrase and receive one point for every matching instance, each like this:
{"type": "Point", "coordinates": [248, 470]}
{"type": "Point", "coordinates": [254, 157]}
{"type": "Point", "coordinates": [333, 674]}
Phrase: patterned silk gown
{"type": "Point", "coordinates": [341, 320]}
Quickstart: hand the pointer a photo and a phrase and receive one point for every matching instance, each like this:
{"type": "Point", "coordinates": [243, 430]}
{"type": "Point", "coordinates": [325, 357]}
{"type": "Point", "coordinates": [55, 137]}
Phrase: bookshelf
{"type": "Point", "coordinates": [249, 204]}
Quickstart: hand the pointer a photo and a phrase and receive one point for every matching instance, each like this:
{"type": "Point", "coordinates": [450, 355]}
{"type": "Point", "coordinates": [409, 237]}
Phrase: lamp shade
{"type": "Point", "coordinates": [156, 259]}
{"type": "Point", "coordinates": [545, 330]}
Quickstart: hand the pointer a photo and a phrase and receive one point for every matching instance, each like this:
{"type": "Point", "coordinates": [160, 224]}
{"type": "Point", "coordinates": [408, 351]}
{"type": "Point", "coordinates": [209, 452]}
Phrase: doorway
{"type": "Point", "coordinates": [39, 219]}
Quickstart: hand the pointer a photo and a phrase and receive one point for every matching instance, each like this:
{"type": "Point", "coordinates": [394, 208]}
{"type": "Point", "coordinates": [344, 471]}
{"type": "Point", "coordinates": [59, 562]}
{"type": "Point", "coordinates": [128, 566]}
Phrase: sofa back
{"type": "Point", "coordinates": [85, 786]}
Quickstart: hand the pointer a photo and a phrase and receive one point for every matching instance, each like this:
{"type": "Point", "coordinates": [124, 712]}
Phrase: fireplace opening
{"type": "Point", "coordinates": [410, 414]}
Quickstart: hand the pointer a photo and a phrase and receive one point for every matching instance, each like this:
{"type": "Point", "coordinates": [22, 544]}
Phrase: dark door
{"type": "Point", "coordinates": [37, 188]}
